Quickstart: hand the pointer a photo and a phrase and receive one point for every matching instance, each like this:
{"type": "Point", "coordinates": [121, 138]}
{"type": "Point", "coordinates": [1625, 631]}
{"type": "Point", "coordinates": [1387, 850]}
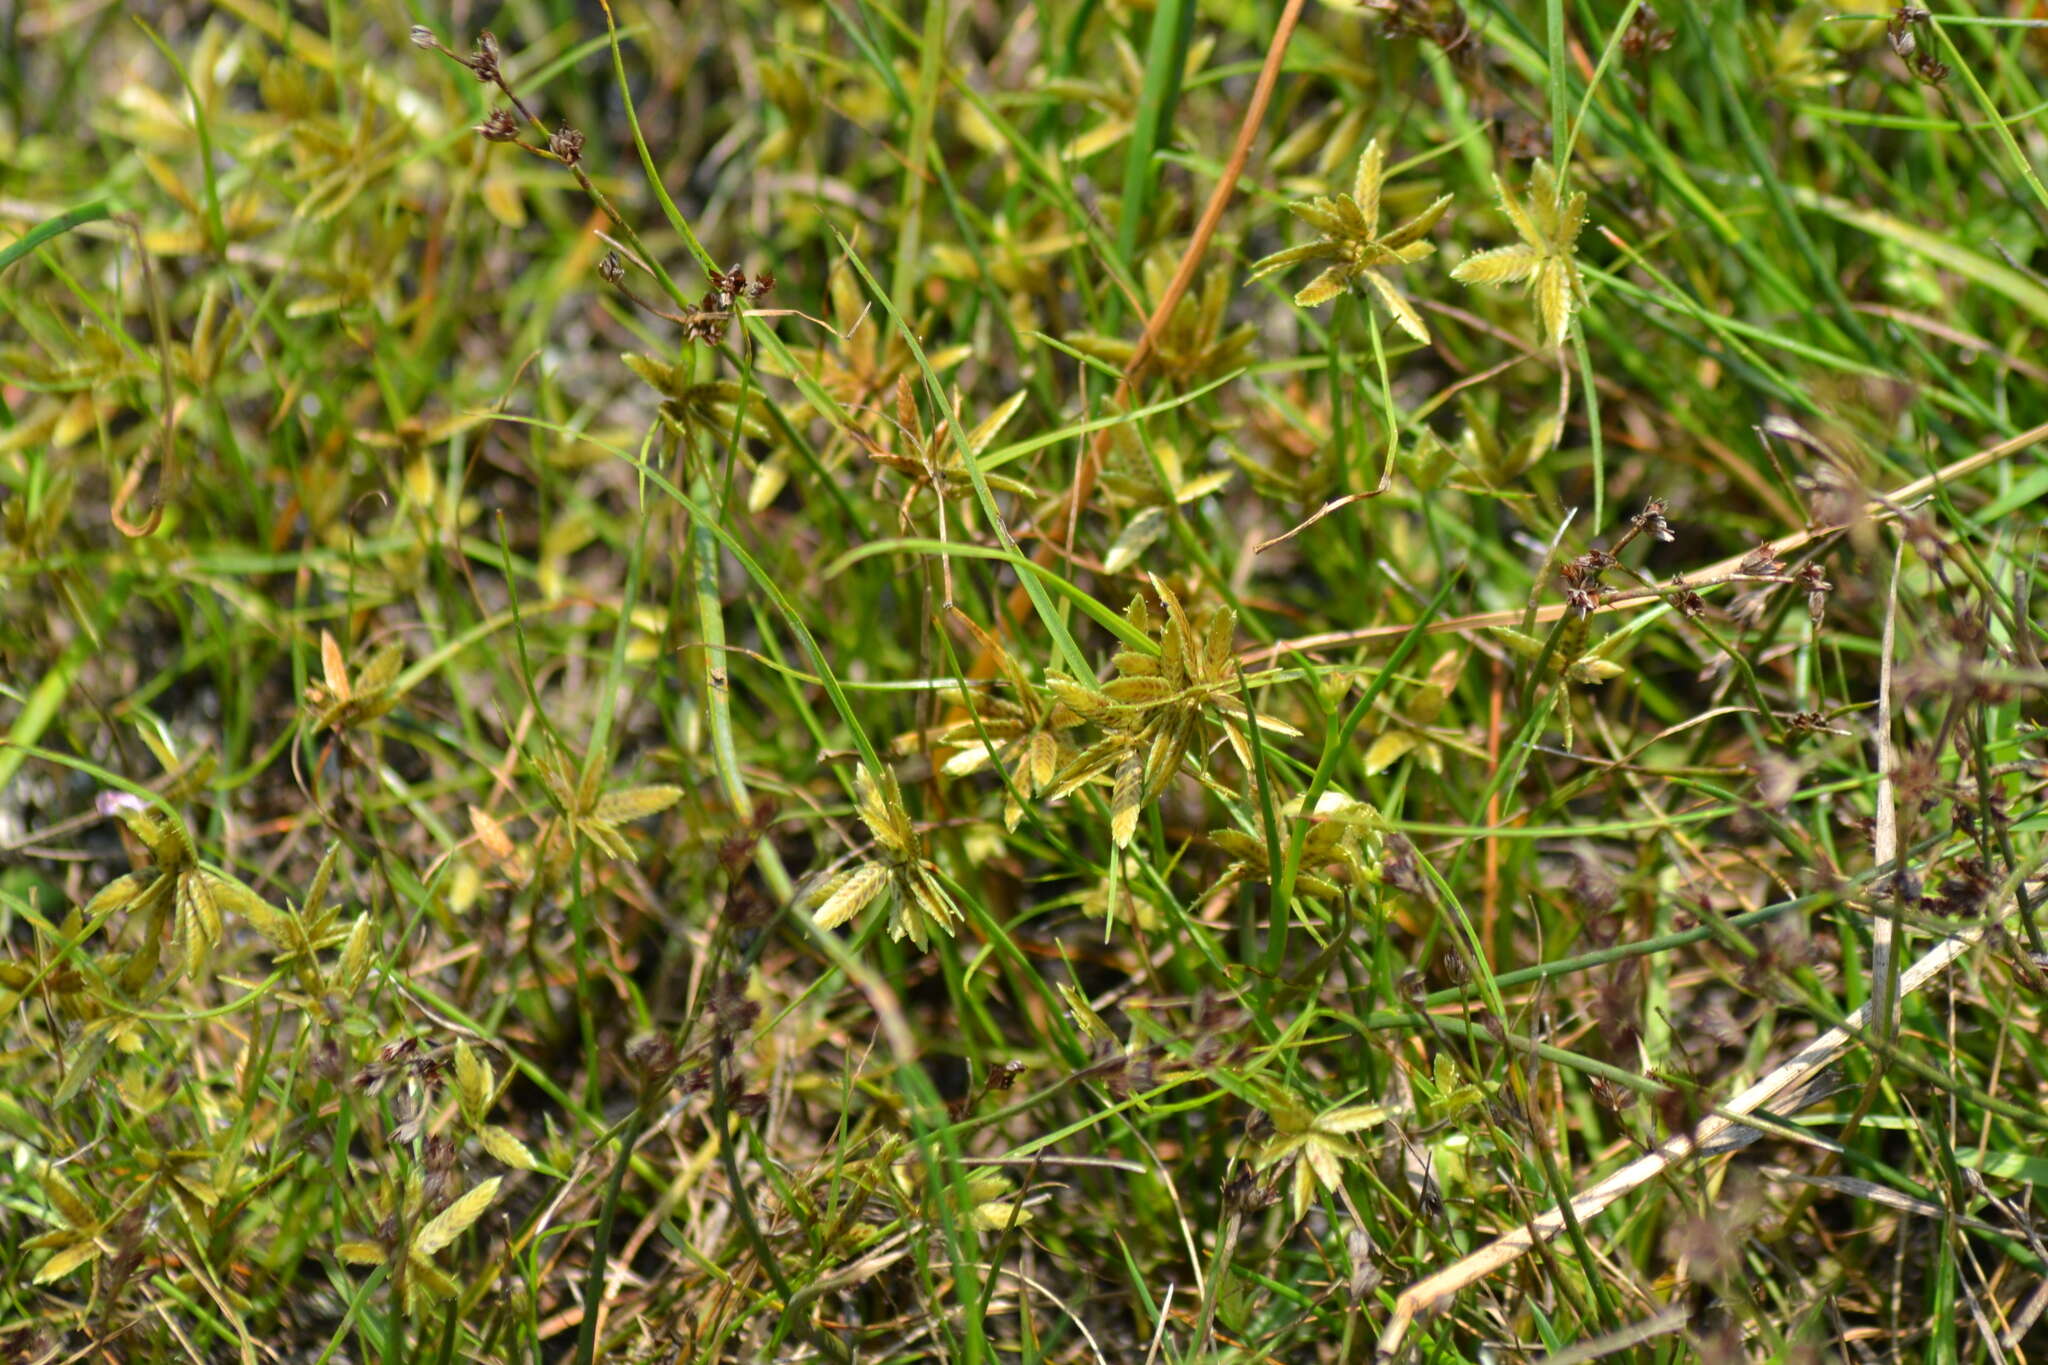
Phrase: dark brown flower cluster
{"type": "Point", "coordinates": [484, 61]}
{"type": "Point", "coordinates": [1582, 577]}
{"type": "Point", "coordinates": [499, 126]}
{"type": "Point", "coordinates": [564, 144]}
{"type": "Point", "coordinates": [407, 1056]}
{"type": "Point", "coordinates": [1762, 562]}
{"type": "Point", "coordinates": [714, 311]}
{"type": "Point", "coordinates": [1905, 43]}
{"type": "Point", "coordinates": [1451, 31]}
{"type": "Point", "coordinates": [1814, 583]}
{"type": "Point", "coordinates": [1645, 36]}
{"type": "Point", "coordinates": [567, 145]}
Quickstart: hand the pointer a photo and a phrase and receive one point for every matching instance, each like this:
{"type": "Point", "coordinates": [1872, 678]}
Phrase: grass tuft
{"type": "Point", "coordinates": [818, 681]}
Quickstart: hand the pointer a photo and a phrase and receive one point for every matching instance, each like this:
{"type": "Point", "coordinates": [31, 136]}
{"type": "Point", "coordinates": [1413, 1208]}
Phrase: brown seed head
{"type": "Point", "coordinates": [730, 1007]}
{"type": "Point", "coordinates": [654, 1056]}
{"type": "Point", "coordinates": [1645, 35]}
{"type": "Point", "coordinates": [484, 61]}
{"type": "Point", "coordinates": [1814, 583]}
{"type": "Point", "coordinates": [1613, 1097]}
{"type": "Point", "coordinates": [499, 126]}
{"type": "Point", "coordinates": [1650, 521]}
{"type": "Point", "coordinates": [1244, 1193]}
{"type": "Point", "coordinates": [1762, 562]}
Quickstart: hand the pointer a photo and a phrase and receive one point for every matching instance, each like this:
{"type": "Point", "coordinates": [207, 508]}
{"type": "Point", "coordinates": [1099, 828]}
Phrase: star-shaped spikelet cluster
{"type": "Point", "coordinates": [1352, 250]}
{"type": "Point", "coordinates": [1549, 226]}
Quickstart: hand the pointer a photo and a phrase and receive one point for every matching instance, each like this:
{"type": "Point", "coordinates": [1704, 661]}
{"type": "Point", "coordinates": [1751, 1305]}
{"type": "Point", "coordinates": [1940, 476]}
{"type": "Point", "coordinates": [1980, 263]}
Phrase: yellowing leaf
{"type": "Point", "coordinates": [75, 1211]}
{"type": "Point", "coordinates": [382, 670]}
{"type": "Point", "coordinates": [454, 1220]}
{"type": "Point", "coordinates": [67, 1260]}
{"type": "Point", "coordinates": [1554, 303]}
{"type": "Point", "coordinates": [1085, 1018]}
{"type": "Point", "coordinates": [1273, 725]}
{"type": "Point", "coordinates": [1549, 226]}
{"type": "Point", "coordinates": [1351, 1118]}
{"type": "Point", "coordinates": [1365, 184]}
{"type": "Point", "coordinates": [1429, 699]}
{"type": "Point", "coordinates": [315, 305]}
{"type": "Point", "coordinates": [924, 905]}
{"type": "Point", "coordinates": [1352, 245]}
{"type": "Point", "coordinates": [334, 667]}
{"type": "Point", "coordinates": [198, 920]}
{"type": "Point", "coordinates": [502, 197]}
{"type": "Point", "coordinates": [355, 957]}
{"type": "Point", "coordinates": [770, 478]}
{"type": "Point", "coordinates": [430, 1278]}
{"type": "Point", "coordinates": [1099, 138]}
{"type": "Point", "coordinates": [1323, 287]}
{"type": "Point", "coordinates": [1139, 532]}
{"type": "Point", "coordinates": [881, 810]}
{"type": "Point", "coordinates": [657, 375]}
{"type": "Point", "coordinates": [1403, 313]}
{"type": "Point", "coordinates": [972, 759]}
{"type": "Point", "coordinates": [1240, 747]}
{"type": "Point", "coordinates": [115, 896]}
{"type": "Point", "coordinates": [501, 1144]}
{"type": "Point", "coordinates": [1042, 757]}
{"type": "Point", "coordinates": [1125, 801]}
{"type": "Point", "coordinates": [1324, 1159]}
{"type": "Point", "coordinates": [999, 1215]}
{"type": "Point", "coordinates": [167, 180]}
{"type": "Point", "coordinates": [1387, 750]}
{"type": "Point", "coordinates": [1139, 690]}
{"type": "Point", "coordinates": [268, 920]}
{"type": "Point", "coordinates": [990, 426]}
{"type": "Point", "coordinates": [1289, 1115]}
{"type": "Point", "coordinates": [635, 803]}
{"type": "Point", "coordinates": [491, 834]}
{"type": "Point", "coordinates": [85, 1061]}
{"type": "Point", "coordinates": [1304, 1191]}
{"type": "Point", "coordinates": [473, 1081]}
{"type": "Point", "coordinates": [1502, 265]}
{"type": "Point", "coordinates": [849, 893]}
{"type": "Point", "coordinates": [1083, 700]}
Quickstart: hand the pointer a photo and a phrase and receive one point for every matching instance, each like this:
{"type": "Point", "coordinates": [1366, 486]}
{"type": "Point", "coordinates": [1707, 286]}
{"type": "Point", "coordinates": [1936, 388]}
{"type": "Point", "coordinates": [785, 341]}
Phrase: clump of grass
{"type": "Point", "coordinates": [551, 808]}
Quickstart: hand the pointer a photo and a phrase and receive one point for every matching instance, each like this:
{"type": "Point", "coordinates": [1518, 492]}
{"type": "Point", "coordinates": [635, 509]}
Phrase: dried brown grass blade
{"type": "Point", "coordinates": [1887, 833]}
{"type": "Point", "coordinates": [1880, 509]}
{"type": "Point", "coordinates": [1332, 505]}
{"type": "Point", "coordinates": [1426, 1294]}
